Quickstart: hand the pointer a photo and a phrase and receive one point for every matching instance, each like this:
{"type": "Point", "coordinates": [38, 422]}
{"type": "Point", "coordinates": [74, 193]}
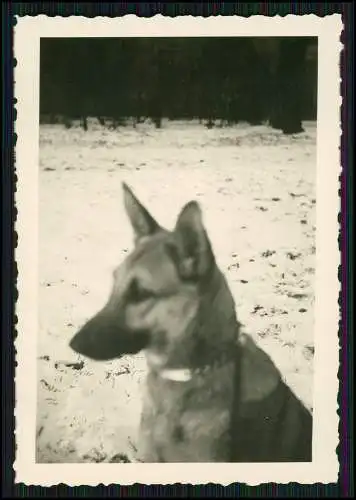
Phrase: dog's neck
{"type": "Point", "coordinates": [217, 325]}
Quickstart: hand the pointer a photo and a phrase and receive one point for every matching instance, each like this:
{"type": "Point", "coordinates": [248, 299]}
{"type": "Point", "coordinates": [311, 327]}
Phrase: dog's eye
{"type": "Point", "coordinates": [138, 293]}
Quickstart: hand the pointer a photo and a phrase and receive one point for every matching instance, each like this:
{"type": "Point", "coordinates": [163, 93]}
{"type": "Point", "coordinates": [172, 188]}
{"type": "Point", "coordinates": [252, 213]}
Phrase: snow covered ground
{"type": "Point", "coordinates": [257, 191]}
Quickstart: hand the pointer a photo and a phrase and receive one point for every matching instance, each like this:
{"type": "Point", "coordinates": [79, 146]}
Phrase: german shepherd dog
{"type": "Point", "coordinates": [210, 395]}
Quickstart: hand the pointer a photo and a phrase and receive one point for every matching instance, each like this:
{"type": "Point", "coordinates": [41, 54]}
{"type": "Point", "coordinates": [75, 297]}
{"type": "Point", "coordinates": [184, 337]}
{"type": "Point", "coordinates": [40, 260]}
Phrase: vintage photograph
{"type": "Point", "coordinates": [177, 252]}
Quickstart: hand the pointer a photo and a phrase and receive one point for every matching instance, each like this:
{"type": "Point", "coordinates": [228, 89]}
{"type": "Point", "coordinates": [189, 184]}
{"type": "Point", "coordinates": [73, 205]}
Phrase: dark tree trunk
{"type": "Point", "coordinates": [286, 112]}
{"type": "Point", "coordinates": [285, 60]}
{"type": "Point", "coordinates": [67, 122]}
{"type": "Point", "coordinates": [84, 123]}
{"type": "Point", "coordinates": [157, 120]}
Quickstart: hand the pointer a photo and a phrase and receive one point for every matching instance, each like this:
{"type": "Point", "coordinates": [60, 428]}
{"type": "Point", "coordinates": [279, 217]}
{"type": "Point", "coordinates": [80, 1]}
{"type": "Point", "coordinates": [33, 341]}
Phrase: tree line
{"type": "Point", "coordinates": [251, 79]}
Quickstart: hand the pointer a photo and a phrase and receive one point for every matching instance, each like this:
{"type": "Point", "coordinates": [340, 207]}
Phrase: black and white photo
{"type": "Point", "coordinates": [178, 200]}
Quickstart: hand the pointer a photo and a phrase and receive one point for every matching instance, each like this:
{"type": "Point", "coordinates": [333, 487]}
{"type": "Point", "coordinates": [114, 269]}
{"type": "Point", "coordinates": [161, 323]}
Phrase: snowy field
{"type": "Point", "coordinates": [257, 191]}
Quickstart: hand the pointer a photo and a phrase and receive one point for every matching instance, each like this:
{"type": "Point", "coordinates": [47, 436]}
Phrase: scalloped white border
{"type": "Point", "coordinates": [325, 467]}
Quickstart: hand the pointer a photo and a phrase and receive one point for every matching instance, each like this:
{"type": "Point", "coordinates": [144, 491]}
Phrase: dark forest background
{"type": "Point", "coordinates": [253, 79]}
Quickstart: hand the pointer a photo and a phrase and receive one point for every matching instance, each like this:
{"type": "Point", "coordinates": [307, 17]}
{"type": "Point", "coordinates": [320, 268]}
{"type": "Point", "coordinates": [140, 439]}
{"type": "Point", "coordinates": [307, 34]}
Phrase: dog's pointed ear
{"type": "Point", "coordinates": [141, 220]}
{"type": "Point", "coordinates": [195, 256]}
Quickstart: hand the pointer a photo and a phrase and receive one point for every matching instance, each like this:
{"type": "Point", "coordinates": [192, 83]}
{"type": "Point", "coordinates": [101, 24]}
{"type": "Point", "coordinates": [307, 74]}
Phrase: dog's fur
{"type": "Point", "coordinates": [211, 395]}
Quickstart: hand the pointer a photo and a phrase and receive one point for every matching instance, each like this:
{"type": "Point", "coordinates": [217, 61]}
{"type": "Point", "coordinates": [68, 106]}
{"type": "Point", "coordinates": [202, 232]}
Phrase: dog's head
{"type": "Point", "coordinates": [156, 302]}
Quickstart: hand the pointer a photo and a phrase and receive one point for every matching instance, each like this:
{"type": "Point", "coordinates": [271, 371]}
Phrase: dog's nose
{"type": "Point", "coordinates": [75, 344]}
{"type": "Point", "coordinates": [95, 338]}
{"type": "Point", "coordinates": [83, 344]}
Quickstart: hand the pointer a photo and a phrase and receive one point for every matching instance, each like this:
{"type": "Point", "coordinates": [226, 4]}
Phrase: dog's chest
{"type": "Point", "coordinates": [188, 421]}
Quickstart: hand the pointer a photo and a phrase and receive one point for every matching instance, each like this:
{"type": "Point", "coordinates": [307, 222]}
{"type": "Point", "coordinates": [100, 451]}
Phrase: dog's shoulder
{"type": "Point", "coordinates": [259, 376]}
{"type": "Point", "coordinates": [271, 423]}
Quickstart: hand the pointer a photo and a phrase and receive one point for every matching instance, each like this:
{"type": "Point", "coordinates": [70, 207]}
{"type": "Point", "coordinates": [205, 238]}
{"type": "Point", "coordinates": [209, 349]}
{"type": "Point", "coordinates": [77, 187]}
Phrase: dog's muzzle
{"type": "Point", "coordinates": [104, 338]}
